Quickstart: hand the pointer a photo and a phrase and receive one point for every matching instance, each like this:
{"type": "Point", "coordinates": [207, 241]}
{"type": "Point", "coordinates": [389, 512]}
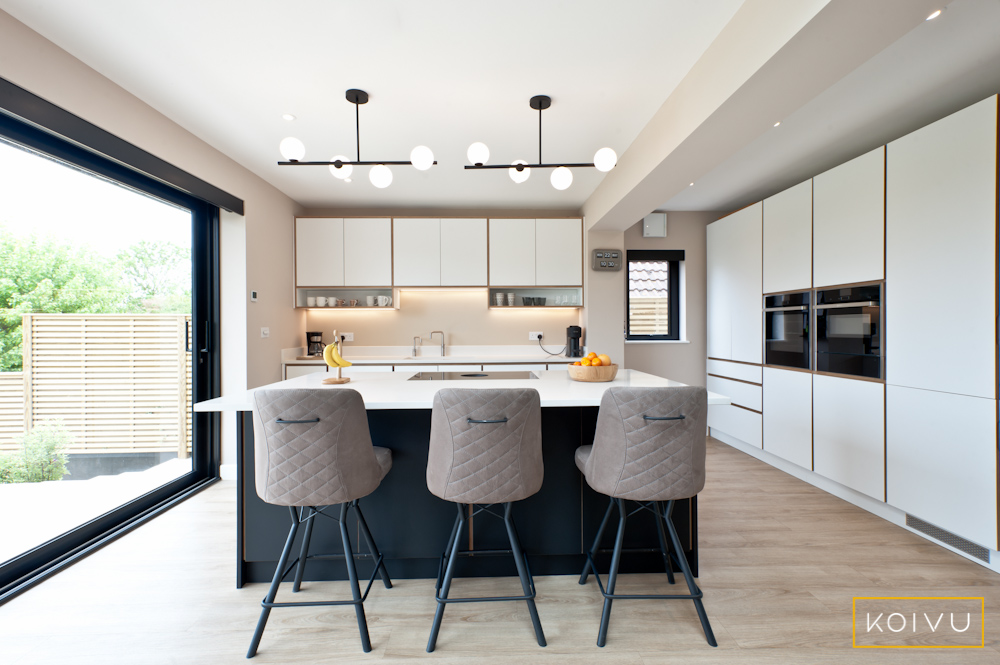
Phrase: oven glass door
{"type": "Point", "coordinates": [786, 337]}
{"type": "Point", "coordinates": [849, 340]}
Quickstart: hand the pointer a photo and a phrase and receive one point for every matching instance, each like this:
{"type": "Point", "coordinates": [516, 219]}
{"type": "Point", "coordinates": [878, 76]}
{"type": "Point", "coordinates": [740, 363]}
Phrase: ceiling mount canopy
{"type": "Point", "coordinates": [293, 150]}
{"type": "Point", "coordinates": [519, 171]}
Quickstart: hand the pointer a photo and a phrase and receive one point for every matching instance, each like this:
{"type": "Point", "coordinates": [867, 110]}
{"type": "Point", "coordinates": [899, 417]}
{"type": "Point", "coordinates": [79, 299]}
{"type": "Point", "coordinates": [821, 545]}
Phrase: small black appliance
{"type": "Point", "coordinates": [573, 335]}
{"type": "Point", "coordinates": [314, 344]}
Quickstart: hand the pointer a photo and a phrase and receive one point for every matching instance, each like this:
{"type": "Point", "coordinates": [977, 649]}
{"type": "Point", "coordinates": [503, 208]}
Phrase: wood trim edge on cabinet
{"type": "Point", "coordinates": [747, 408]}
{"type": "Point", "coordinates": [738, 362]}
{"type": "Point", "coordinates": [728, 378]}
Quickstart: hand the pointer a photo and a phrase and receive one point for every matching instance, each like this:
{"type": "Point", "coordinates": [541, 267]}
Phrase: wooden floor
{"type": "Point", "coordinates": [781, 561]}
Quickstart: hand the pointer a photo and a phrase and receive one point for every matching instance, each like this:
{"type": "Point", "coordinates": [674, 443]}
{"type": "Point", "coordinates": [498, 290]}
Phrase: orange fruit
{"type": "Point", "coordinates": [577, 363]}
{"type": "Point", "coordinates": [605, 359]}
{"type": "Point", "coordinates": [585, 362]}
{"type": "Point", "coordinates": [591, 355]}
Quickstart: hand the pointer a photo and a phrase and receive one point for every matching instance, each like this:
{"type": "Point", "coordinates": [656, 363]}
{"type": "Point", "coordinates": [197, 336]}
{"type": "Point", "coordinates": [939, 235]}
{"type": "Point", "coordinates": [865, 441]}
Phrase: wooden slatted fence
{"type": "Point", "coordinates": [648, 316]}
{"type": "Point", "coordinates": [120, 383]}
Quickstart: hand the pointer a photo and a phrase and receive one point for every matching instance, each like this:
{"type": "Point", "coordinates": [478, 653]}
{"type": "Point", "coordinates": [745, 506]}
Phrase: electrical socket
{"type": "Point", "coordinates": [265, 332]}
{"type": "Point", "coordinates": [348, 337]}
{"type": "Point", "coordinates": [533, 336]}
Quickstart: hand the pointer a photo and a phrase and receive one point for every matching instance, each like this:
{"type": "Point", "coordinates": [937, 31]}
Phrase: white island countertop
{"type": "Point", "coordinates": [392, 390]}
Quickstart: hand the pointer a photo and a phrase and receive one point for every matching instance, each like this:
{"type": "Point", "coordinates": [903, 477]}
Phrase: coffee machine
{"type": "Point", "coordinates": [314, 344]}
{"type": "Point", "coordinates": [573, 348]}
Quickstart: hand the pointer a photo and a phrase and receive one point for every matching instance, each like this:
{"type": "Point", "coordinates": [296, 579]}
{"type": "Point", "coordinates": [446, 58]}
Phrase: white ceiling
{"type": "Point", "coordinates": [443, 73]}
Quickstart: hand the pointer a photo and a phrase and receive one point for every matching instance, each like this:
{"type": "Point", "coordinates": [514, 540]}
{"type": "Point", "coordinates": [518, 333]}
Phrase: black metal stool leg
{"type": "Point", "coordinates": [352, 575]}
{"type": "Point", "coordinates": [372, 547]}
{"type": "Point", "coordinates": [522, 572]}
{"type": "Point", "coordinates": [602, 635]}
{"type": "Point", "coordinates": [688, 577]}
{"type": "Point", "coordinates": [449, 573]}
{"type": "Point", "coordinates": [300, 569]}
{"type": "Point", "coordinates": [597, 542]}
{"type": "Point", "coordinates": [447, 551]}
{"type": "Point", "coordinates": [273, 590]}
{"type": "Point", "coordinates": [664, 548]}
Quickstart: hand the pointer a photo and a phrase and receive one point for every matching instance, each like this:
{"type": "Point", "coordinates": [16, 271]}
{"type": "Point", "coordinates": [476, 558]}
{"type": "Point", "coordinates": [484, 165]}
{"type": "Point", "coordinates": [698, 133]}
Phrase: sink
{"type": "Point", "coordinates": [471, 376]}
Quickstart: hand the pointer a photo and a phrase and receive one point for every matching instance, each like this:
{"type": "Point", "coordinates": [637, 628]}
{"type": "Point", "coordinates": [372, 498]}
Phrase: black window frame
{"type": "Point", "coordinates": [28, 120]}
{"type": "Point", "coordinates": [673, 258]}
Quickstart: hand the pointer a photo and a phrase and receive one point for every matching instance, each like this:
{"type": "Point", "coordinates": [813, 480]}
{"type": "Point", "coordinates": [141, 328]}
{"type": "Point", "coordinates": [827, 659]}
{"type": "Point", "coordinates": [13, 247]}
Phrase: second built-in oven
{"type": "Point", "coordinates": [849, 331]}
{"type": "Point", "coordinates": [786, 330]}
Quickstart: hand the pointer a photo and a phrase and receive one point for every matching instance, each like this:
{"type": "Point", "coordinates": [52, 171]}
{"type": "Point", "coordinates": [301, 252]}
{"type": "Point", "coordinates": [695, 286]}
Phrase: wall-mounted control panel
{"type": "Point", "coordinates": [607, 259]}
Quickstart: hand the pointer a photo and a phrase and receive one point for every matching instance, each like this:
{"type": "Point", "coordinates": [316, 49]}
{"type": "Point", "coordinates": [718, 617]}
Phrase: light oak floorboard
{"type": "Point", "coordinates": [780, 563]}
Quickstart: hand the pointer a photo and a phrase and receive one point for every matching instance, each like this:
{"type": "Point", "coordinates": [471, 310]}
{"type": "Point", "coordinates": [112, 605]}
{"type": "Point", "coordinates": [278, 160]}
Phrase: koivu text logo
{"type": "Point", "coordinates": [919, 622]}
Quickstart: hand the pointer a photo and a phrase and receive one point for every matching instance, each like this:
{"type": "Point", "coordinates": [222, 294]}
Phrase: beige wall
{"type": "Point", "coordinates": [603, 319]}
{"type": "Point", "coordinates": [462, 314]}
{"type": "Point", "coordinates": [41, 67]}
{"type": "Point", "coordinates": [681, 362]}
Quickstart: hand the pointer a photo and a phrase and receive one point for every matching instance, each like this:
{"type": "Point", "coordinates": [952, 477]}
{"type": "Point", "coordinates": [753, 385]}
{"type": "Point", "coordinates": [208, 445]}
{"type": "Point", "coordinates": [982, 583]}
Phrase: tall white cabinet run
{"type": "Point", "coordinates": [941, 363]}
{"type": "Point", "coordinates": [734, 286]}
{"type": "Point", "coordinates": [787, 240]}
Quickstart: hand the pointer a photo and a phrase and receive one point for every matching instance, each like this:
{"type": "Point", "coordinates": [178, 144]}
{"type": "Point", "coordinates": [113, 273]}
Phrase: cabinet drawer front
{"type": "Point", "coordinates": [849, 433]}
{"type": "Point", "coordinates": [741, 394]}
{"type": "Point", "coordinates": [736, 422]}
{"type": "Point", "coordinates": [751, 373]}
{"type": "Point", "coordinates": [941, 454]}
{"type": "Point", "coordinates": [788, 415]}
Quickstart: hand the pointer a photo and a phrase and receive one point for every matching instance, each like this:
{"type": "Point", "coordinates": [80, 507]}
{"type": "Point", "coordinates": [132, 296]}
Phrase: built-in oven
{"type": "Point", "coordinates": [849, 331]}
{"type": "Point", "coordinates": [786, 330]}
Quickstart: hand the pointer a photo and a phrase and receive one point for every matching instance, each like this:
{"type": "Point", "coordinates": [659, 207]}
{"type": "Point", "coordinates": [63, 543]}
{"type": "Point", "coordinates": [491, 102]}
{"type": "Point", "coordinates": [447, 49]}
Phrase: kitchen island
{"type": "Point", "coordinates": [411, 525]}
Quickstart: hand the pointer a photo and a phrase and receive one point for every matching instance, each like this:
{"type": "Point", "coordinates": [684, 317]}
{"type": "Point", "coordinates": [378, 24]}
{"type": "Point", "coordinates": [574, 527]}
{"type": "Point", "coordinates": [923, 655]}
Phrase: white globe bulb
{"type": "Point", "coordinates": [422, 158]}
{"type": "Point", "coordinates": [292, 149]}
{"type": "Point", "coordinates": [605, 159]}
{"type": "Point", "coordinates": [344, 172]}
{"type": "Point", "coordinates": [519, 176]}
{"type": "Point", "coordinates": [478, 153]}
{"type": "Point", "coordinates": [561, 178]}
{"type": "Point", "coordinates": [380, 176]}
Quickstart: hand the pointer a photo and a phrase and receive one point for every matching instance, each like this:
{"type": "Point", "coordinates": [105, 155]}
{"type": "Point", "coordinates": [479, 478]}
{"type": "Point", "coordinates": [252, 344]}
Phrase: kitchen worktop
{"type": "Point", "coordinates": [392, 390]}
{"type": "Point", "coordinates": [457, 355]}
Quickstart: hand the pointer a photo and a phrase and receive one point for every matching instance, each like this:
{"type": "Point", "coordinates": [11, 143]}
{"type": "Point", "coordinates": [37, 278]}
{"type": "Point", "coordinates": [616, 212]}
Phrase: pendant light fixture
{"type": "Point", "coordinates": [380, 175]}
{"type": "Point", "coordinates": [519, 171]}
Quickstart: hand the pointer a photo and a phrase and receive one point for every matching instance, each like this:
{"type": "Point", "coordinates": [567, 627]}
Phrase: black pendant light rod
{"type": "Point", "coordinates": [540, 102]}
{"type": "Point", "coordinates": [356, 97]}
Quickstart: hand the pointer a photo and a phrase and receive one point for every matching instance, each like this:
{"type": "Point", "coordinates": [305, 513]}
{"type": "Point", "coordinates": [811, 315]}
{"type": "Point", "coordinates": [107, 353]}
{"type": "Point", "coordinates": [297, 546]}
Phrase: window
{"type": "Point", "coordinates": [652, 294]}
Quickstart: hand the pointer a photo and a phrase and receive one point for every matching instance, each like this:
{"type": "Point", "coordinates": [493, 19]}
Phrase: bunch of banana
{"type": "Point", "coordinates": [332, 356]}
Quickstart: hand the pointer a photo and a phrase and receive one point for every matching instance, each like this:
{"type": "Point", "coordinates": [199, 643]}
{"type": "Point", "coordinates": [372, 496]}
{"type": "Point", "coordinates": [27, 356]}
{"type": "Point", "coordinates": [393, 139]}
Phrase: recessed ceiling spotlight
{"type": "Point", "coordinates": [288, 116]}
{"type": "Point", "coordinates": [347, 179]}
{"type": "Point", "coordinates": [934, 15]}
{"type": "Point", "coordinates": [691, 185]}
{"type": "Point", "coordinates": [777, 123]}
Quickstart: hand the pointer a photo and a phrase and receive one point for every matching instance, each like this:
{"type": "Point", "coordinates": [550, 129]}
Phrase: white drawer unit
{"type": "Point", "coordinates": [849, 433]}
{"type": "Point", "coordinates": [730, 370]}
{"type": "Point", "coordinates": [295, 371]}
{"type": "Point", "coordinates": [460, 368]}
{"type": "Point", "coordinates": [788, 240]}
{"type": "Point", "coordinates": [941, 460]}
{"type": "Point", "coordinates": [788, 415]}
{"type": "Point", "coordinates": [742, 394]}
{"type": "Point", "coordinates": [736, 422]}
{"type": "Point", "coordinates": [533, 367]}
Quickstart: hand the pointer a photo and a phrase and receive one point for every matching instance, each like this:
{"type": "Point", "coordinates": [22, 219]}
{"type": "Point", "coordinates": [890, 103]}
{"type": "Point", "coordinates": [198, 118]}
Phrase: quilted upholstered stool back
{"type": "Point", "coordinates": [495, 460]}
{"type": "Point", "coordinates": [324, 456]}
{"type": "Point", "coordinates": [643, 449]}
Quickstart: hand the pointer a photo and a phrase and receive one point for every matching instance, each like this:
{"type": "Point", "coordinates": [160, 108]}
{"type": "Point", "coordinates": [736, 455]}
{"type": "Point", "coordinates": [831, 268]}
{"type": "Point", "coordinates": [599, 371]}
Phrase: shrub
{"type": "Point", "coordinates": [41, 456]}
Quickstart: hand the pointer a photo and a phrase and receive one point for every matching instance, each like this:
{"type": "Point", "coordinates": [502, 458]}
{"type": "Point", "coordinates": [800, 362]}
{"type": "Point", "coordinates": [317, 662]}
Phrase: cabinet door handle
{"type": "Point", "coordinates": [295, 422]}
{"type": "Point", "coordinates": [680, 417]}
{"type": "Point", "coordinates": [476, 422]}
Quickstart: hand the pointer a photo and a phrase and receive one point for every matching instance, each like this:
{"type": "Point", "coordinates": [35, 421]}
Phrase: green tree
{"type": "Point", "coordinates": [159, 276]}
{"type": "Point", "coordinates": [43, 275]}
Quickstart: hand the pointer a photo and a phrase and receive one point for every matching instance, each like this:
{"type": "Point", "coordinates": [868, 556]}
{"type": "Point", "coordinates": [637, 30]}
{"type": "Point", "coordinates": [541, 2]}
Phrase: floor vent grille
{"type": "Point", "coordinates": [959, 543]}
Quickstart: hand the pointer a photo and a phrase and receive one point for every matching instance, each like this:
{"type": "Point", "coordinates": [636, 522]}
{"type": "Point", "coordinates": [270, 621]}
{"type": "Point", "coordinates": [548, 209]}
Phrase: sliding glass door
{"type": "Point", "coordinates": [108, 335]}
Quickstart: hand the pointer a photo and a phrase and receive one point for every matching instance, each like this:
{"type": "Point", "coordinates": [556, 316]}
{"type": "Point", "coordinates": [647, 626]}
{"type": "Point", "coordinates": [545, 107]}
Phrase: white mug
{"type": "Point", "coordinates": [310, 301]}
{"type": "Point", "coordinates": [383, 301]}
{"type": "Point", "coordinates": [332, 302]}
{"type": "Point", "coordinates": [370, 301]}
{"type": "Point", "coordinates": [321, 301]}
{"type": "Point", "coordinates": [510, 298]}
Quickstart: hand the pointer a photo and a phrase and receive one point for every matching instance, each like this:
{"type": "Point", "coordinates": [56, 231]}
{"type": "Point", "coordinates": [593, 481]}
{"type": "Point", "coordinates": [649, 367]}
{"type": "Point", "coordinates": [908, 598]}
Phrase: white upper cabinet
{"type": "Point", "coordinates": [463, 252]}
{"type": "Point", "coordinates": [941, 263]}
{"type": "Point", "coordinates": [367, 252]}
{"type": "Point", "coordinates": [512, 252]}
{"type": "Point", "coordinates": [734, 286]}
{"type": "Point", "coordinates": [319, 251]}
{"type": "Point", "coordinates": [559, 252]}
{"type": "Point", "coordinates": [788, 240]}
{"type": "Point", "coordinates": [849, 222]}
{"type": "Point", "coordinates": [416, 258]}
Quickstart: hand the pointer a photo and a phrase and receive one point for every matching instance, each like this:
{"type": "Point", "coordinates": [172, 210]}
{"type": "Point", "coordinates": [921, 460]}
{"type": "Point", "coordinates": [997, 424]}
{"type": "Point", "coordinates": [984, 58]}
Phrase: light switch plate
{"type": "Point", "coordinates": [265, 332]}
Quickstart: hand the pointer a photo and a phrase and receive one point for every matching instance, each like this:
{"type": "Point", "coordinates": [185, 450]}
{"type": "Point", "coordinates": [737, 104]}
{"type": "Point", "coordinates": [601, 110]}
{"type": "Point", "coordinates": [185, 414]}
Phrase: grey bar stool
{"type": "Point", "coordinates": [485, 449]}
{"type": "Point", "coordinates": [649, 447]}
{"type": "Point", "coordinates": [312, 449]}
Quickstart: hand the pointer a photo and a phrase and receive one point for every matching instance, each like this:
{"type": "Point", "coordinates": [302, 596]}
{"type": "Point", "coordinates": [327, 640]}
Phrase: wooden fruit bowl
{"type": "Point", "coordinates": [593, 374]}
